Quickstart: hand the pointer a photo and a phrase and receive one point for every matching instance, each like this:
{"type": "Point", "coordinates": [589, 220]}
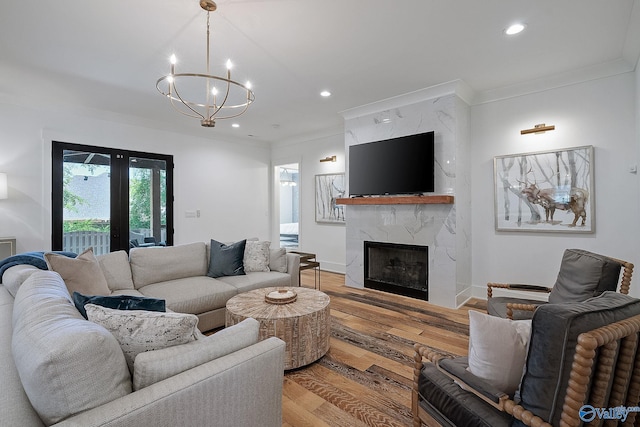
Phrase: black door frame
{"type": "Point", "coordinates": [119, 209]}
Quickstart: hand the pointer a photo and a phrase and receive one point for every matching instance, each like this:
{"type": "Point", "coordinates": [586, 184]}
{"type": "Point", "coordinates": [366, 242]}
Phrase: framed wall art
{"type": "Point", "coordinates": [330, 187]}
{"type": "Point", "coordinates": [546, 191]}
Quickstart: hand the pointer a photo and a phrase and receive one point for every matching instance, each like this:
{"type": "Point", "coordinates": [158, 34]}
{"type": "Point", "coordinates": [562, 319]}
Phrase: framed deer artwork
{"type": "Point", "coordinates": [546, 191]}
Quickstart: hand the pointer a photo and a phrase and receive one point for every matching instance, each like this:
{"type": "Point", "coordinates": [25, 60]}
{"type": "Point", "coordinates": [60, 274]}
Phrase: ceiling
{"type": "Point", "coordinates": [108, 55]}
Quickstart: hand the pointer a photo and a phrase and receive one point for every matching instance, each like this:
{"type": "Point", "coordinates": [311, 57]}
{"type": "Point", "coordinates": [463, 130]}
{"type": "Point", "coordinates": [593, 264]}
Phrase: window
{"type": "Point", "coordinates": [110, 199]}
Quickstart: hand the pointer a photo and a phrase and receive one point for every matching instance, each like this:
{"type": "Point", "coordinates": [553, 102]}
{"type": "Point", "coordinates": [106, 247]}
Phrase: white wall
{"type": "Point", "coordinates": [227, 182]}
{"type": "Point", "coordinates": [601, 113]}
{"type": "Point", "coordinates": [327, 241]}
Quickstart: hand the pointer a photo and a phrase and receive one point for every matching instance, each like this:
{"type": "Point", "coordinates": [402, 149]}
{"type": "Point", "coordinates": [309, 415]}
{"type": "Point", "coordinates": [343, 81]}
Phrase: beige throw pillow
{"type": "Point", "coordinates": [498, 350]}
{"type": "Point", "coordinates": [256, 255]}
{"type": "Point", "coordinates": [138, 331]}
{"type": "Point", "coordinates": [81, 274]}
{"type": "Point", "coordinates": [278, 260]}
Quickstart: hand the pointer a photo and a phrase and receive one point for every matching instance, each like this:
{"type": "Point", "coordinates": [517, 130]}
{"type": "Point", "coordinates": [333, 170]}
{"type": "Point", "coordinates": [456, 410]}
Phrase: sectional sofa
{"type": "Point", "coordinates": [61, 369]}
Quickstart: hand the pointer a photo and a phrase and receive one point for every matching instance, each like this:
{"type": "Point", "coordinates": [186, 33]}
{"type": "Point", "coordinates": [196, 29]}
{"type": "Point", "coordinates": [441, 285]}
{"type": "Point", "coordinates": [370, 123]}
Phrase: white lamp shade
{"type": "Point", "coordinates": [4, 187]}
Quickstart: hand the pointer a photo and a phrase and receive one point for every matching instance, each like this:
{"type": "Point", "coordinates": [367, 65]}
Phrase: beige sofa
{"type": "Point", "coordinates": [60, 369]}
{"type": "Point", "coordinates": [178, 274]}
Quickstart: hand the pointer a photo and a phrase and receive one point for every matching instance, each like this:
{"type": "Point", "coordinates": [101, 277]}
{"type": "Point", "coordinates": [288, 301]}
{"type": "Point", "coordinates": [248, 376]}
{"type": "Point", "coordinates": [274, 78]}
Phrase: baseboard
{"type": "Point", "coordinates": [480, 292]}
{"type": "Point", "coordinates": [333, 267]}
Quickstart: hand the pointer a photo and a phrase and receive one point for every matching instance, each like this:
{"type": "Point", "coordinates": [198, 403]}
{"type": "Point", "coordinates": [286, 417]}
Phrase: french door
{"type": "Point", "coordinates": [110, 199]}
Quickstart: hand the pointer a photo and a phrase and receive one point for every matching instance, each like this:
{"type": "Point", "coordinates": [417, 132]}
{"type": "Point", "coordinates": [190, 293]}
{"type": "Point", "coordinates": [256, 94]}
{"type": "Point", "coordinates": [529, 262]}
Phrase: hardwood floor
{"type": "Point", "coordinates": [365, 378]}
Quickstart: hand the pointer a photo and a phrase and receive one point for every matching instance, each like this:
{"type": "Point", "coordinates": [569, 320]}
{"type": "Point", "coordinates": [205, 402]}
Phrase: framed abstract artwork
{"type": "Point", "coordinates": [546, 191]}
{"type": "Point", "coordinates": [330, 187]}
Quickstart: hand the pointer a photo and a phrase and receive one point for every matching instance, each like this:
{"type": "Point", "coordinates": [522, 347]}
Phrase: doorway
{"type": "Point", "coordinates": [288, 180]}
{"type": "Point", "coordinates": [110, 199]}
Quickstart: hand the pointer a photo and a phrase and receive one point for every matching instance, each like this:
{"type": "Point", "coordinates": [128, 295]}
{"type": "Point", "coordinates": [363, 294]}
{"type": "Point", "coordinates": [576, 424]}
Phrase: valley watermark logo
{"type": "Point", "coordinates": [588, 413]}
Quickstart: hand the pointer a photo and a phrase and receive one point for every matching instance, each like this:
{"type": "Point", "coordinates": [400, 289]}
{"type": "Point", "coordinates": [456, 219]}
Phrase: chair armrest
{"type": "Point", "coordinates": [516, 287]}
{"type": "Point", "coordinates": [215, 391]}
{"type": "Point", "coordinates": [469, 382]}
{"type": "Point", "coordinates": [424, 353]}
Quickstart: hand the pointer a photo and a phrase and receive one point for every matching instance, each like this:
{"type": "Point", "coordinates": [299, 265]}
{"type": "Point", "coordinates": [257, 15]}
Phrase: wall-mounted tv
{"type": "Point", "coordinates": [402, 165]}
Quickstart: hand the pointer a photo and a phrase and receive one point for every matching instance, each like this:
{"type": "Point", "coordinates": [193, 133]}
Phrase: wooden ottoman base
{"type": "Point", "coordinates": [304, 325]}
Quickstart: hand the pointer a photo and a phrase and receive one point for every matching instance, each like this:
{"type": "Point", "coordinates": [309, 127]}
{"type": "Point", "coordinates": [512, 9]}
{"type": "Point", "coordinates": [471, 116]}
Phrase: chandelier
{"type": "Point", "coordinates": [205, 96]}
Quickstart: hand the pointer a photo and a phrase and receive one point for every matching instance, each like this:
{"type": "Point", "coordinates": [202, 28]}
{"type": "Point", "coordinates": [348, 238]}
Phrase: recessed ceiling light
{"type": "Point", "coordinates": [514, 29]}
{"type": "Point", "coordinates": [235, 125]}
{"type": "Point", "coordinates": [325, 93]}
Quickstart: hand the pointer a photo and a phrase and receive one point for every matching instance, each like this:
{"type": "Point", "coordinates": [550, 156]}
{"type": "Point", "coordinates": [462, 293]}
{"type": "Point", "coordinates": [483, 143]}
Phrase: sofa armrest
{"type": "Point", "coordinates": [215, 392]}
{"type": "Point", "coordinates": [293, 268]}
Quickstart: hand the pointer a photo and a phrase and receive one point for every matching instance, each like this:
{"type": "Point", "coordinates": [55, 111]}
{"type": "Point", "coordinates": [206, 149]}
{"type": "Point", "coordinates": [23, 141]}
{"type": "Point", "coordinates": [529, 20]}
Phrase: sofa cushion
{"type": "Point", "coordinates": [452, 406]}
{"type": "Point", "coordinates": [66, 363]}
{"type": "Point", "coordinates": [139, 330]}
{"type": "Point", "coordinates": [498, 350]}
{"type": "Point", "coordinates": [119, 302]}
{"type": "Point", "coordinates": [116, 269]}
{"type": "Point", "coordinates": [193, 295]}
{"type": "Point", "coordinates": [158, 264]}
{"type": "Point", "coordinates": [15, 407]}
{"type": "Point", "coordinates": [82, 274]}
{"type": "Point", "coordinates": [226, 260]}
{"type": "Point", "coordinates": [583, 275]}
{"type": "Point", "coordinates": [278, 260]}
{"type": "Point", "coordinates": [256, 255]}
{"type": "Point", "coordinates": [554, 334]}
{"type": "Point", "coordinates": [153, 366]}
{"type": "Point", "coordinates": [257, 280]}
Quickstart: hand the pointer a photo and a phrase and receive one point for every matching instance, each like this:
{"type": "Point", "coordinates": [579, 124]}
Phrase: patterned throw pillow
{"type": "Point", "coordinates": [256, 256]}
{"type": "Point", "coordinates": [137, 330]}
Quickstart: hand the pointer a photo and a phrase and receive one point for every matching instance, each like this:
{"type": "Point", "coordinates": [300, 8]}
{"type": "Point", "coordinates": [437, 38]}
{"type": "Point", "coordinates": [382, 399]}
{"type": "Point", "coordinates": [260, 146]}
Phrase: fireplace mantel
{"type": "Point", "coordinates": [397, 200]}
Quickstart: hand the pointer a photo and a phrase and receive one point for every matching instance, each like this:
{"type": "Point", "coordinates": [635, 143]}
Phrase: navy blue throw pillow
{"type": "Point", "coordinates": [226, 260]}
{"type": "Point", "coordinates": [119, 302]}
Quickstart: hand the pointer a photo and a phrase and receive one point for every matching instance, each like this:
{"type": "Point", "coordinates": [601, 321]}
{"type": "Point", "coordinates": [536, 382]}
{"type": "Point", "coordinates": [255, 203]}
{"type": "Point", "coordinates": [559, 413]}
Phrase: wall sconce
{"type": "Point", "coordinates": [4, 186]}
{"type": "Point", "coordinates": [541, 128]}
{"type": "Point", "coordinates": [328, 159]}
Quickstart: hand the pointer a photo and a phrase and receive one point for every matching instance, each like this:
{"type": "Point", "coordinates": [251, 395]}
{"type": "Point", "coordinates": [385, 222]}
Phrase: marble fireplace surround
{"type": "Point", "coordinates": [431, 225]}
{"type": "Point", "coordinates": [440, 220]}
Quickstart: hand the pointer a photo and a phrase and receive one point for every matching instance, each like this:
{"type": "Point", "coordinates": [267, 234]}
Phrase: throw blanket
{"type": "Point", "coordinates": [31, 258]}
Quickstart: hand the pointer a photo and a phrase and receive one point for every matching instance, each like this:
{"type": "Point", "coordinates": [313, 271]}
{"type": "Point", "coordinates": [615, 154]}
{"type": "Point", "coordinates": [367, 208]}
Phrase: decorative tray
{"type": "Point", "coordinates": [281, 296]}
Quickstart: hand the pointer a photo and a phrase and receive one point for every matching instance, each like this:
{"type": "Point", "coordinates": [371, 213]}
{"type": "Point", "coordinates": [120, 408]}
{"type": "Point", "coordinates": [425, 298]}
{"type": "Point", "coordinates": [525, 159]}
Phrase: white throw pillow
{"type": "Point", "coordinates": [256, 256]}
{"type": "Point", "coordinates": [138, 330]}
{"type": "Point", "coordinates": [278, 260]}
{"type": "Point", "coordinates": [498, 349]}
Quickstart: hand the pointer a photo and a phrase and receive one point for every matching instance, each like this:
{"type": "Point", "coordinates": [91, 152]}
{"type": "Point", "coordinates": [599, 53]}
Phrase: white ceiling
{"type": "Point", "coordinates": [108, 55]}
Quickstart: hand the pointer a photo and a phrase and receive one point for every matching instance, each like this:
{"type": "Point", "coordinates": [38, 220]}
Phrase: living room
{"type": "Point", "coordinates": [65, 81]}
{"type": "Point", "coordinates": [596, 104]}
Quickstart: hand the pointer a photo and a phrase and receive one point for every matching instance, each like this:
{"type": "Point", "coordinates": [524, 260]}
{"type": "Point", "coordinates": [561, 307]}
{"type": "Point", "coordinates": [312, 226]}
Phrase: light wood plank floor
{"type": "Point", "coordinates": [365, 378]}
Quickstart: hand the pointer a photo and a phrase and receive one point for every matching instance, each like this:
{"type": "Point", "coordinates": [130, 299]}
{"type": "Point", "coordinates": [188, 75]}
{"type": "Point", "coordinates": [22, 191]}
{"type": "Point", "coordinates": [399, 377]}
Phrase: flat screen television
{"type": "Point", "coordinates": [402, 165]}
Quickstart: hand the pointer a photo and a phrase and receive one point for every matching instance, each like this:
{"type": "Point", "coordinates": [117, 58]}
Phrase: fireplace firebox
{"type": "Point", "coordinates": [397, 268]}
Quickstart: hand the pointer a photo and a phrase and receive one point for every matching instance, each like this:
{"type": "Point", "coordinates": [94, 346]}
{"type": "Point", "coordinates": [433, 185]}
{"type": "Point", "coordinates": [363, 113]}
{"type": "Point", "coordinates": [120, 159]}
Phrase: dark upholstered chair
{"type": "Point", "coordinates": [579, 354]}
{"type": "Point", "coordinates": [582, 275]}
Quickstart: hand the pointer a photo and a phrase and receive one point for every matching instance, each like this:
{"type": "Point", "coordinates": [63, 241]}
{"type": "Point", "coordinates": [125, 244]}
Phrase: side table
{"type": "Point", "coordinates": [308, 261]}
